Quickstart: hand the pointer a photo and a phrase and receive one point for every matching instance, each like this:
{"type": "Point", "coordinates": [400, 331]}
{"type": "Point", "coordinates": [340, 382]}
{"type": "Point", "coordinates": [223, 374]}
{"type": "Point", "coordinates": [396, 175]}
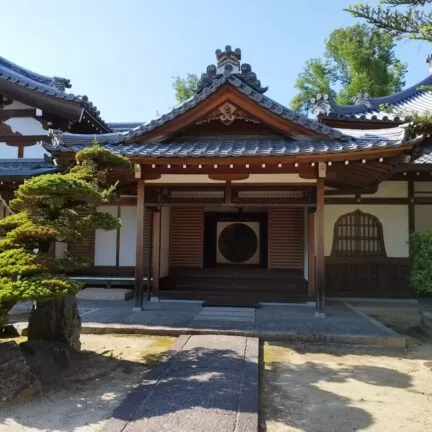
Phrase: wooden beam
{"type": "Point", "coordinates": [139, 265]}
{"type": "Point", "coordinates": [118, 238]}
{"type": "Point", "coordinates": [366, 200]}
{"type": "Point", "coordinates": [236, 160]}
{"type": "Point", "coordinates": [320, 264]}
{"type": "Point", "coordinates": [311, 255]}
{"type": "Point", "coordinates": [156, 253]}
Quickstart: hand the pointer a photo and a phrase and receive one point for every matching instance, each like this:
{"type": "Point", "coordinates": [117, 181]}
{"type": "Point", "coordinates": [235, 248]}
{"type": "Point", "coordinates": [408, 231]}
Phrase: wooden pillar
{"type": "Point", "coordinates": [411, 207]}
{"type": "Point", "coordinates": [320, 263]}
{"type": "Point", "coordinates": [149, 249]}
{"type": "Point", "coordinates": [139, 264]}
{"type": "Point", "coordinates": [156, 253]}
{"type": "Point", "coordinates": [311, 255]}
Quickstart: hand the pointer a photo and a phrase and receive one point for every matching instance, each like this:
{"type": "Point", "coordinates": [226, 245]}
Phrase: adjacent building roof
{"type": "Point", "coordinates": [25, 167]}
{"type": "Point", "coordinates": [124, 126]}
{"type": "Point", "coordinates": [51, 86]}
{"type": "Point", "coordinates": [233, 146]}
{"type": "Point", "coordinates": [394, 108]}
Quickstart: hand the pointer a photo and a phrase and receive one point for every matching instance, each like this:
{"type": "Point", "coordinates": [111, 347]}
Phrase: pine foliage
{"type": "Point", "coordinates": [48, 209]}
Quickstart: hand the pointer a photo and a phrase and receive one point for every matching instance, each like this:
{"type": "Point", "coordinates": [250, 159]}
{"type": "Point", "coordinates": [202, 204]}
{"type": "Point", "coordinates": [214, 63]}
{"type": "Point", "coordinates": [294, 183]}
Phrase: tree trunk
{"type": "Point", "coordinates": [56, 320]}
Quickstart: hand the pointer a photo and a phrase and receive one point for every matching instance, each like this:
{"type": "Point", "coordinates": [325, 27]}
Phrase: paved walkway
{"type": "Point", "coordinates": [208, 384]}
{"type": "Point", "coordinates": [290, 322]}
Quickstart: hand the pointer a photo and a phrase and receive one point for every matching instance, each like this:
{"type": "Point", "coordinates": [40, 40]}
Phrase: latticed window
{"type": "Point", "coordinates": [358, 234]}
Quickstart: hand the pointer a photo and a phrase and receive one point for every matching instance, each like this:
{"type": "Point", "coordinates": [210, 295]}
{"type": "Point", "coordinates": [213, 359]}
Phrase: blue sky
{"type": "Point", "coordinates": [123, 54]}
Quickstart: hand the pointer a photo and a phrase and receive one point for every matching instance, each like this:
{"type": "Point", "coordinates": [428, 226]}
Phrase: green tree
{"type": "Point", "coordinates": [48, 209]}
{"type": "Point", "coordinates": [357, 60]}
{"type": "Point", "coordinates": [185, 87]}
{"type": "Point", "coordinates": [402, 18]}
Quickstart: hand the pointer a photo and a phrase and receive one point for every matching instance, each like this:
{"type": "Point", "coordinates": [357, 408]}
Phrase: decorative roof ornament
{"type": "Point", "coordinates": [228, 63]}
{"type": "Point", "coordinates": [61, 83]}
{"type": "Point", "coordinates": [321, 105]}
{"type": "Point", "coordinates": [227, 114]}
{"type": "Point", "coordinates": [362, 99]}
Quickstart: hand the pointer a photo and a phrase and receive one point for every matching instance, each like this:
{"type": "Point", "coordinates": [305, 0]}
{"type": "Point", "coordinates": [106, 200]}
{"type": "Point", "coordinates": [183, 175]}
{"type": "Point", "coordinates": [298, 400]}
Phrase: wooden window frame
{"type": "Point", "coordinates": [373, 225]}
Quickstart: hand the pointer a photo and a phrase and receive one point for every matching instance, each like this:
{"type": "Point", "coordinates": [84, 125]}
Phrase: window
{"type": "Point", "coordinates": [358, 234]}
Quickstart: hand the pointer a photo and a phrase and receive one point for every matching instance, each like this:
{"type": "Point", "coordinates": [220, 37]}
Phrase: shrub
{"type": "Point", "coordinates": [421, 255]}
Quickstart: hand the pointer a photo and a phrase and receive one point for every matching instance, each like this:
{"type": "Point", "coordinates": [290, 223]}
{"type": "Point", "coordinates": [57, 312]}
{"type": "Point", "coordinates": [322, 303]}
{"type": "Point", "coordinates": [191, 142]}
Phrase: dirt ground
{"type": "Point", "coordinates": [328, 388]}
{"type": "Point", "coordinates": [86, 397]}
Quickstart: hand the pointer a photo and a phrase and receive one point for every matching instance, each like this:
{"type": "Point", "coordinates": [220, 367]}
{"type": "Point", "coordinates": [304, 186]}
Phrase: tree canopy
{"type": "Point", "coordinates": [357, 60]}
{"type": "Point", "coordinates": [48, 209]}
{"type": "Point", "coordinates": [402, 18]}
{"type": "Point", "coordinates": [185, 87]}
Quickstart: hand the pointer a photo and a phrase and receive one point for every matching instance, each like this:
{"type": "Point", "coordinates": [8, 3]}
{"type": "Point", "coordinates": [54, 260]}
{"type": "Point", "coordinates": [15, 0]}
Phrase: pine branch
{"type": "Point", "coordinates": [413, 22]}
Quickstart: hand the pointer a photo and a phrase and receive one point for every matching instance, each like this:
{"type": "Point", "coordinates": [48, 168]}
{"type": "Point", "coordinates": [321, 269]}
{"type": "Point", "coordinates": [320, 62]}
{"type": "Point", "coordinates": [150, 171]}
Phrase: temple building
{"type": "Point", "coordinates": [236, 198]}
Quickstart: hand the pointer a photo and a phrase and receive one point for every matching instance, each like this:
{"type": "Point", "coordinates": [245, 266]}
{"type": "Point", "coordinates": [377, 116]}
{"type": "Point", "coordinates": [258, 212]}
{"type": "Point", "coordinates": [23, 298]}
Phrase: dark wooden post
{"type": "Point", "coordinates": [156, 253]}
{"type": "Point", "coordinates": [411, 207]}
{"type": "Point", "coordinates": [149, 250]}
{"type": "Point", "coordinates": [320, 263]}
{"type": "Point", "coordinates": [139, 264]}
{"type": "Point", "coordinates": [311, 255]}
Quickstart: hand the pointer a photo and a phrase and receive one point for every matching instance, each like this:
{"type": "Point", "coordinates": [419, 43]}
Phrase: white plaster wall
{"type": "Point", "coordinates": [391, 189]}
{"type": "Point", "coordinates": [423, 217]}
{"type": "Point", "coordinates": [26, 126]}
{"type": "Point", "coordinates": [165, 241]}
{"type": "Point", "coordinates": [128, 234]}
{"type": "Point", "coordinates": [8, 152]}
{"type": "Point", "coordinates": [387, 189]}
{"type": "Point", "coordinates": [422, 187]}
{"type": "Point", "coordinates": [60, 249]}
{"type": "Point", "coordinates": [105, 242]}
{"type": "Point", "coordinates": [253, 178]}
{"type": "Point", "coordinates": [394, 219]}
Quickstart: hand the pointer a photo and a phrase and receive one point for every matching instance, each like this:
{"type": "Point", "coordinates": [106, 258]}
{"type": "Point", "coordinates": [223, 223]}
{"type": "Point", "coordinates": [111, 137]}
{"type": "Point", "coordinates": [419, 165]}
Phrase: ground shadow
{"type": "Point", "coordinates": [292, 395]}
{"type": "Point", "coordinates": [88, 375]}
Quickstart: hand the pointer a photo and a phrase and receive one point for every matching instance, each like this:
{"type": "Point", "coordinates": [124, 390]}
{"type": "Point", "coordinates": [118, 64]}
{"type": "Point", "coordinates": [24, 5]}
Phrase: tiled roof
{"type": "Point", "coordinates": [398, 106]}
{"type": "Point", "coordinates": [123, 126]}
{"type": "Point", "coordinates": [247, 90]}
{"type": "Point", "coordinates": [228, 62]}
{"type": "Point", "coordinates": [51, 86]}
{"type": "Point", "coordinates": [425, 157]}
{"type": "Point", "coordinates": [233, 146]}
{"type": "Point", "coordinates": [25, 167]}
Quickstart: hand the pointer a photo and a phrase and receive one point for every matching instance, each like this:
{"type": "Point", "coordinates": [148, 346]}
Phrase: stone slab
{"type": "Point", "coordinates": [104, 294]}
{"type": "Point", "coordinates": [207, 383]}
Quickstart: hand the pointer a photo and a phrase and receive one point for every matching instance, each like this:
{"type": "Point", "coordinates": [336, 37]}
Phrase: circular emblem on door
{"type": "Point", "coordinates": [237, 243]}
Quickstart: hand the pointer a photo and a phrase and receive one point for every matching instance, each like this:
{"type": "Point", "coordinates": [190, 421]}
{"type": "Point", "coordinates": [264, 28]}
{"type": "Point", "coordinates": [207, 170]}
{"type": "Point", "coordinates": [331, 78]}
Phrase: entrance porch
{"type": "Point", "coordinates": [230, 245]}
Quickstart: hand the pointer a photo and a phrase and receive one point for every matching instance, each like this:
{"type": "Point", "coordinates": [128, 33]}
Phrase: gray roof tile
{"type": "Point", "coordinates": [52, 86]}
{"type": "Point", "coordinates": [400, 105]}
{"type": "Point", "coordinates": [234, 146]}
{"type": "Point", "coordinates": [25, 167]}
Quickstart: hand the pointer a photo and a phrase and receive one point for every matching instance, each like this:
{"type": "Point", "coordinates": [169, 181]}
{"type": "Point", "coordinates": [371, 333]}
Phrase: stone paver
{"type": "Point", "coordinates": [290, 322]}
{"type": "Point", "coordinates": [208, 383]}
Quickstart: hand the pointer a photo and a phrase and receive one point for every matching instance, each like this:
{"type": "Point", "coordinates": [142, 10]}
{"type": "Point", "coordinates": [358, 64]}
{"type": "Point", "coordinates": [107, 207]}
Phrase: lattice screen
{"type": "Point", "coordinates": [358, 234]}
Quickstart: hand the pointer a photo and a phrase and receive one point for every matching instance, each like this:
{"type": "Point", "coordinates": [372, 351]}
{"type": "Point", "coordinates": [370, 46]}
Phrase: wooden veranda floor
{"type": "Point", "coordinates": [236, 284]}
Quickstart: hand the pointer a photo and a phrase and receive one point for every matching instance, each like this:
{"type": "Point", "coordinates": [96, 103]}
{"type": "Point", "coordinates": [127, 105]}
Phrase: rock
{"type": "Point", "coordinates": [9, 331]}
{"type": "Point", "coordinates": [426, 321]}
{"type": "Point", "coordinates": [16, 378]}
{"type": "Point", "coordinates": [56, 320]}
{"type": "Point", "coordinates": [21, 328]}
{"type": "Point", "coordinates": [48, 359]}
